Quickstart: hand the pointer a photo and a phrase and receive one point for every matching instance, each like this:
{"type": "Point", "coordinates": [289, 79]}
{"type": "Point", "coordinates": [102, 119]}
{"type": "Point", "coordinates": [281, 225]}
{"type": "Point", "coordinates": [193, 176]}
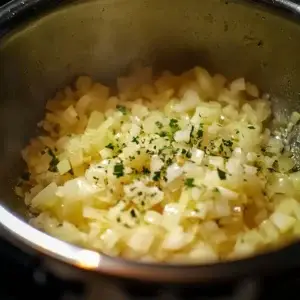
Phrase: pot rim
{"type": "Point", "coordinates": [21, 233]}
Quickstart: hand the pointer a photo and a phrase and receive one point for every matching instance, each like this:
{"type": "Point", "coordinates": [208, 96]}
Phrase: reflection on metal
{"type": "Point", "coordinates": [40, 241]}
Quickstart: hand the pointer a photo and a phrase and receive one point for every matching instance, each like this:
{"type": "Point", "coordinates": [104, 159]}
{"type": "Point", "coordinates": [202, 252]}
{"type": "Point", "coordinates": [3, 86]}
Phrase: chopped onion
{"type": "Point", "coordinates": [282, 222]}
{"type": "Point", "coordinates": [173, 172]}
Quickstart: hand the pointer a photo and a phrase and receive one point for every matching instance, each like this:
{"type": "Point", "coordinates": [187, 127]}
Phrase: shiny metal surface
{"type": "Point", "coordinates": [102, 38]}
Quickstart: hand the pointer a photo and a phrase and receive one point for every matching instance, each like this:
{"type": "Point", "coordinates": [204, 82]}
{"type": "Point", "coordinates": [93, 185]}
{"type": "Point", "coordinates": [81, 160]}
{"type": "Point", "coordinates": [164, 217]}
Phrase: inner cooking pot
{"type": "Point", "coordinates": [102, 38]}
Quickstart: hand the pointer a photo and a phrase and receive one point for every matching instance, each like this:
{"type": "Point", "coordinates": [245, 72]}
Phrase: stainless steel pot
{"type": "Point", "coordinates": [45, 44]}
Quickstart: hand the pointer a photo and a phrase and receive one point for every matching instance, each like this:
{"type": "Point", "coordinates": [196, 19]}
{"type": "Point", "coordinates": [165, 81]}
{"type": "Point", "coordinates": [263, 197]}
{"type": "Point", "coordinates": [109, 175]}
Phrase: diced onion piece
{"type": "Point", "coordinates": [176, 239]}
{"type": "Point", "coordinates": [106, 153]}
{"type": "Point", "coordinates": [184, 199]}
{"type": "Point", "coordinates": [238, 85]}
{"type": "Point", "coordinates": [203, 252]}
{"type": "Point", "coordinates": [243, 249]}
{"type": "Point", "coordinates": [96, 174]}
{"type": "Point", "coordinates": [211, 179]}
{"type": "Point", "coordinates": [139, 110]}
{"type": "Point", "coordinates": [281, 185]}
{"type": "Point", "coordinates": [69, 233]}
{"type": "Point", "coordinates": [82, 104]}
{"type": "Point", "coordinates": [290, 207]}
{"type": "Point", "coordinates": [203, 208]}
{"type": "Point", "coordinates": [190, 101]}
{"type": "Point", "coordinates": [63, 167]}
{"type": "Point", "coordinates": [285, 164]}
{"type": "Point", "coordinates": [192, 170]}
{"type": "Point", "coordinates": [183, 135]}
{"type": "Point", "coordinates": [253, 237]}
{"type": "Point", "coordinates": [295, 117]}
{"type": "Point", "coordinates": [110, 238]}
{"type": "Point", "coordinates": [216, 161]}
{"type": "Point", "coordinates": [46, 198]}
{"type": "Point", "coordinates": [295, 179]}
{"type": "Point", "coordinates": [141, 240]}
{"type": "Point", "coordinates": [95, 120]}
{"type": "Point", "coordinates": [76, 158]}
{"type": "Point", "coordinates": [93, 213]}
{"type": "Point", "coordinates": [268, 231]}
{"type": "Point", "coordinates": [135, 130]}
{"type": "Point", "coordinates": [250, 170]}
{"type": "Point", "coordinates": [114, 211]}
{"type": "Point", "coordinates": [174, 171]}
{"type": "Point", "coordinates": [171, 215]}
{"type": "Point", "coordinates": [251, 156]}
{"type": "Point", "coordinates": [227, 194]}
{"type": "Point", "coordinates": [195, 193]}
{"type": "Point", "coordinates": [156, 163]}
{"type": "Point", "coordinates": [152, 217]}
{"type": "Point", "coordinates": [70, 115]}
{"type": "Point", "coordinates": [222, 208]}
{"type": "Point", "coordinates": [282, 221]}
{"type": "Point", "coordinates": [76, 189]}
{"type": "Point", "coordinates": [197, 156]}
{"type": "Point", "coordinates": [234, 166]}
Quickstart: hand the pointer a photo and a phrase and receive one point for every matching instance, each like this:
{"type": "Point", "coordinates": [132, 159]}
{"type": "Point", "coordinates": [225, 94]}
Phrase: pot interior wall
{"type": "Point", "coordinates": [103, 37]}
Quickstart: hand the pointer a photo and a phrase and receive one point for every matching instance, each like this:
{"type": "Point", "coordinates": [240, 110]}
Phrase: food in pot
{"type": "Point", "coordinates": [169, 168]}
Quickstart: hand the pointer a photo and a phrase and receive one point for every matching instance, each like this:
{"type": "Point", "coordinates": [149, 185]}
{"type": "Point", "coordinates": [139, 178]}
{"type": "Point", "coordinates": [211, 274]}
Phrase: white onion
{"type": "Point", "coordinates": [182, 135]}
{"type": "Point", "coordinates": [282, 222]}
{"type": "Point", "coordinates": [174, 168]}
{"type": "Point", "coordinates": [173, 172]}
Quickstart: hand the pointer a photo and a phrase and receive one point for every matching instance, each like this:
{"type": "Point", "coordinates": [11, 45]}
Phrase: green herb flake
{"type": "Point", "coordinates": [110, 146]}
{"type": "Point", "coordinates": [54, 161]}
{"type": "Point", "coordinates": [162, 134]}
{"type": "Point", "coordinates": [174, 124]}
{"type": "Point", "coordinates": [188, 154]}
{"type": "Point", "coordinates": [133, 213]}
{"type": "Point", "coordinates": [200, 133]}
{"type": "Point", "coordinates": [122, 109]}
{"type": "Point", "coordinates": [118, 170]}
{"type": "Point", "coordinates": [251, 127]}
{"type": "Point", "coordinates": [169, 161]}
{"type": "Point", "coordinates": [221, 148]}
{"type": "Point", "coordinates": [145, 171]}
{"type": "Point", "coordinates": [228, 143]}
{"type": "Point", "coordinates": [189, 182]}
{"type": "Point", "coordinates": [135, 140]}
{"type": "Point", "coordinates": [192, 131]}
{"type": "Point", "coordinates": [159, 125]}
{"type": "Point", "coordinates": [156, 176]}
{"type": "Point", "coordinates": [222, 174]}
